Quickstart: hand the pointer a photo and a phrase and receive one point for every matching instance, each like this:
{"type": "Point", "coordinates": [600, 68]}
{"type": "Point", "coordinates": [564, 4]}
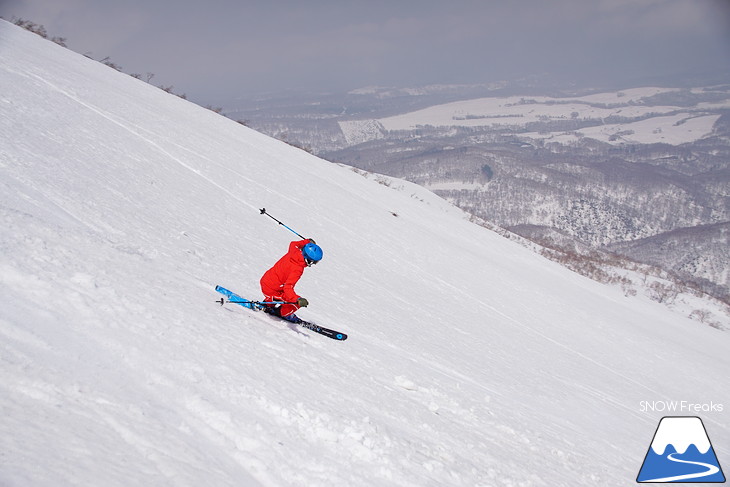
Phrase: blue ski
{"type": "Point", "coordinates": [234, 298]}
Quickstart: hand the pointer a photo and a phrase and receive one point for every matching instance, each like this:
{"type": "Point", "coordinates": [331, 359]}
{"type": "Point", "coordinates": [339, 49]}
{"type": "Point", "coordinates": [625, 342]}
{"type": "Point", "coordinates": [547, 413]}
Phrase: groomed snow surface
{"type": "Point", "coordinates": [470, 360]}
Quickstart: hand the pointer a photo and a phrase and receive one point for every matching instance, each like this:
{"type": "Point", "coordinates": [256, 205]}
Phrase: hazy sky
{"type": "Point", "coordinates": [216, 49]}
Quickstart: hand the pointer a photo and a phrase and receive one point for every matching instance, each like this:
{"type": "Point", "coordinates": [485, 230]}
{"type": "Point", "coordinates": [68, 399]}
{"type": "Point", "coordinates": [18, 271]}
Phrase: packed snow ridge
{"type": "Point", "coordinates": [470, 360]}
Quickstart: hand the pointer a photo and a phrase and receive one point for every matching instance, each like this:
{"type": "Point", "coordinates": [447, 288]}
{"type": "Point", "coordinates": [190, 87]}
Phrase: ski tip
{"type": "Point", "coordinates": [336, 335]}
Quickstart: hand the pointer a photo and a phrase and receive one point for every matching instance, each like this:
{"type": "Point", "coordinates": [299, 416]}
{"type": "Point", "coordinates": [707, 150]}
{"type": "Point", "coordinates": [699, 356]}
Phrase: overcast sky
{"type": "Point", "coordinates": [219, 49]}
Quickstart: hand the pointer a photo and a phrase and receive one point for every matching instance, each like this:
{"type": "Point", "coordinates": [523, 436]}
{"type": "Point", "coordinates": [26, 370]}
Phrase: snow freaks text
{"type": "Point", "coordinates": [680, 407]}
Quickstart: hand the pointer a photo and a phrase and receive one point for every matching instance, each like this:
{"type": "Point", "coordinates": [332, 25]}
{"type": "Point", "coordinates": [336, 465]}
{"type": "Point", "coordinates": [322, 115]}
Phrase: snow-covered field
{"type": "Point", "coordinates": [512, 111]}
{"type": "Point", "coordinates": [645, 123]}
{"type": "Point", "coordinates": [675, 129]}
{"type": "Point", "coordinates": [470, 360]}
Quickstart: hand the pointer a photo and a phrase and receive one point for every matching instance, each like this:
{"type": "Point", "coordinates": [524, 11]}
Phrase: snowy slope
{"type": "Point", "coordinates": [471, 361]}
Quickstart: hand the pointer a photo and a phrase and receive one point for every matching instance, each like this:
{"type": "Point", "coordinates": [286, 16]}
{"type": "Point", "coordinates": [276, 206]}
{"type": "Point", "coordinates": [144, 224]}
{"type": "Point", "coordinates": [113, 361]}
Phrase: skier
{"type": "Point", "coordinates": [277, 283]}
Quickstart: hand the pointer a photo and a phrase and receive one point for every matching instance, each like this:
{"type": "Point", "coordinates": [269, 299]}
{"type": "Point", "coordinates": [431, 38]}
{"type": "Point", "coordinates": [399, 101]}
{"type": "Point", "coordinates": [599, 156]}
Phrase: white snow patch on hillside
{"type": "Point", "coordinates": [358, 131]}
{"type": "Point", "coordinates": [470, 360]}
{"type": "Point", "coordinates": [519, 111]}
{"type": "Point", "coordinates": [656, 124]}
{"type": "Point", "coordinates": [675, 129]}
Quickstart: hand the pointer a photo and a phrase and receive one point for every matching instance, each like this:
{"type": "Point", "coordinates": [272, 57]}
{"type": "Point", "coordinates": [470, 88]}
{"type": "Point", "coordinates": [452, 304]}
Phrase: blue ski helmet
{"type": "Point", "coordinates": [312, 253]}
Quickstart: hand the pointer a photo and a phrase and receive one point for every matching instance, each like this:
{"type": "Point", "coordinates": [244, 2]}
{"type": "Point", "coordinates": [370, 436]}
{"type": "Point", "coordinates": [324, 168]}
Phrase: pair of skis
{"type": "Point", "coordinates": [234, 298]}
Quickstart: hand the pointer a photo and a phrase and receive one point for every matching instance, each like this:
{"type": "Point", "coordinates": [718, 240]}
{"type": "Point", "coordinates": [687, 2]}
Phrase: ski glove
{"type": "Point", "coordinates": [302, 302]}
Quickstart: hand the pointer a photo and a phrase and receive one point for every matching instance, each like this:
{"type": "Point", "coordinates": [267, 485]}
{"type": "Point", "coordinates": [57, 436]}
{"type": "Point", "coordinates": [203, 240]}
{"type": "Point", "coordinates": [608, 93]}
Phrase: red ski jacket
{"type": "Point", "coordinates": [280, 279]}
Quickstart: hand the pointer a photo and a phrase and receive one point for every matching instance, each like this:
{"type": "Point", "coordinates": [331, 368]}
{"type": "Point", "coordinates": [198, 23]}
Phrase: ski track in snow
{"type": "Point", "coordinates": [470, 361]}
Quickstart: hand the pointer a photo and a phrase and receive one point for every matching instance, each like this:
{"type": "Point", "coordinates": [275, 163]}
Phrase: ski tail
{"type": "Point", "coordinates": [236, 299]}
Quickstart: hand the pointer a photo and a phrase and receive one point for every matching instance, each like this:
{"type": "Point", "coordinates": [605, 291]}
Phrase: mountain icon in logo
{"type": "Point", "coordinates": [681, 452]}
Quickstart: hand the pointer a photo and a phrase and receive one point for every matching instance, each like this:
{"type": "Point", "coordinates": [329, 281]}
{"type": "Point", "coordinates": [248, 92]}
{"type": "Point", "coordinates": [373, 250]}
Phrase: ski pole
{"type": "Point", "coordinates": [264, 212]}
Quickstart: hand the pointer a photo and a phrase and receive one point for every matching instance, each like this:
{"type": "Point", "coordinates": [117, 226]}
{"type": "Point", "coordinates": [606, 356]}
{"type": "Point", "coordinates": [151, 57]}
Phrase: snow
{"type": "Point", "coordinates": [674, 129]}
{"type": "Point", "coordinates": [656, 124]}
{"type": "Point", "coordinates": [625, 97]}
{"type": "Point", "coordinates": [514, 111]}
{"type": "Point", "coordinates": [358, 131]}
{"type": "Point", "coordinates": [470, 360]}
